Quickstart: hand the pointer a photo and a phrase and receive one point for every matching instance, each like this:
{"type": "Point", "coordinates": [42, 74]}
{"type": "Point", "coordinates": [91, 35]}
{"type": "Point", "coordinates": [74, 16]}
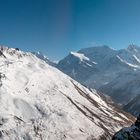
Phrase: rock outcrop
{"type": "Point", "coordinates": [130, 133]}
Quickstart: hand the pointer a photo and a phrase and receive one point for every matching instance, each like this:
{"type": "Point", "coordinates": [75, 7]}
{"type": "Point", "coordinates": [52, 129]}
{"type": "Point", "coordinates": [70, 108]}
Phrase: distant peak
{"type": "Point", "coordinates": [103, 47]}
{"type": "Point", "coordinates": [132, 47]}
{"type": "Point", "coordinates": [106, 47]}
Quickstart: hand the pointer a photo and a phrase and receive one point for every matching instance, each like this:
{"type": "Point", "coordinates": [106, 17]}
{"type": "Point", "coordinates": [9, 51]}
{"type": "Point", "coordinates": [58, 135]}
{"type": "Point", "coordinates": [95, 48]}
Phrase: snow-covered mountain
{"type": "Point", "coordinates": [78, 66]}
{"type": "Point", "coordinates": [39, 102]}
{"type": "Point", "coordinates": [114, 72]}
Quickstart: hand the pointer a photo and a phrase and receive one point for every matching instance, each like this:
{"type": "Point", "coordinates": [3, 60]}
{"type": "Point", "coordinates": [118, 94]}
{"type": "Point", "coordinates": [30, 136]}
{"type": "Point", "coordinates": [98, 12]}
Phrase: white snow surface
{"type": "Point", "coordinates": [38, 102]}
{"type": "Point", "coordinates": [80, 56]}
{"type": "Point", "coordinates": [129, 64]}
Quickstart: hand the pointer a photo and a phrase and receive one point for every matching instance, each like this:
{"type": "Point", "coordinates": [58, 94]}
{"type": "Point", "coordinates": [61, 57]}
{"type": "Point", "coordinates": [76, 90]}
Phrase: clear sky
{"type": "Point", "coordinates": [56, 27]}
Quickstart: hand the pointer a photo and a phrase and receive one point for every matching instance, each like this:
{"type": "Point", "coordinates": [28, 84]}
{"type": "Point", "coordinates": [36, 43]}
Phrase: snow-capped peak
{"type": "Point", "coordinates": [103, 49]}
{"type": "Point", "coordinates": [12, 53]}
{"type": "Point", "coordinates": [133, 47]}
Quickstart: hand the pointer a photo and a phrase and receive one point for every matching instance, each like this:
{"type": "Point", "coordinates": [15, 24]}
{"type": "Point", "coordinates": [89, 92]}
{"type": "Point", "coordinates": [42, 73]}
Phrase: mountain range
{"type": "Point", "coordinates": [39, 102]}
{"type": "Point", "coordinates": [112, 72]}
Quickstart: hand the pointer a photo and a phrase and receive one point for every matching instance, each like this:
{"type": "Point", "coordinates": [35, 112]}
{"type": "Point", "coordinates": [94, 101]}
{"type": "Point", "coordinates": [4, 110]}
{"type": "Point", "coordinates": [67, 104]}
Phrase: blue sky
{"type": "Point", "coordinates": [56, 27]}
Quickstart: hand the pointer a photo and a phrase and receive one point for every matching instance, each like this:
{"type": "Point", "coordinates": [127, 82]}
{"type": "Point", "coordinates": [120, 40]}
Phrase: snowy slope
{"type": "Point", "coordinates": [44, 58]}
{"type": "Point", "coordinates": [38, 102]}
{"type": "Point", "coordinates": [115, 72]}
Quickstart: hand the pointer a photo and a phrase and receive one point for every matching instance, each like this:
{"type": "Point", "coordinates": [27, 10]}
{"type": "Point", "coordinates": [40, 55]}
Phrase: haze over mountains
{"type": "Point", "coordinates": [113, 72]}
{"type": "Point", "coordinates": [39, 102]}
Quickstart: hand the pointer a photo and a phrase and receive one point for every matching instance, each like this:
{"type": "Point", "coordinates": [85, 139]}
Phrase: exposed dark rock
{"type": "Point", "coordinates": [17, 49]}
{"type": "Point", "coordinates": [130, 133]}
{"type": "Point", "coordinates": [1, 54]}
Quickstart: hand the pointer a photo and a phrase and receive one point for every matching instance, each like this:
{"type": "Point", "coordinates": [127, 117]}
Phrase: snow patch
{"type": "Point", "coordinates": [80, 56]}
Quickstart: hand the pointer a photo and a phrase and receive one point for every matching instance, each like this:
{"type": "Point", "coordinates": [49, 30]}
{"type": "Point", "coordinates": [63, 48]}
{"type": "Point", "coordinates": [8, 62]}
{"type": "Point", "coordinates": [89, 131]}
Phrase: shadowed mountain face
{"type": "Point", "coordinates": [39, 102]}
{"type": "Point", "coordinates": [113, 72]}
{"type": "Point", "coordinates": [129, 133]}
{"type": "Point", "coordinates": [133, 106]}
